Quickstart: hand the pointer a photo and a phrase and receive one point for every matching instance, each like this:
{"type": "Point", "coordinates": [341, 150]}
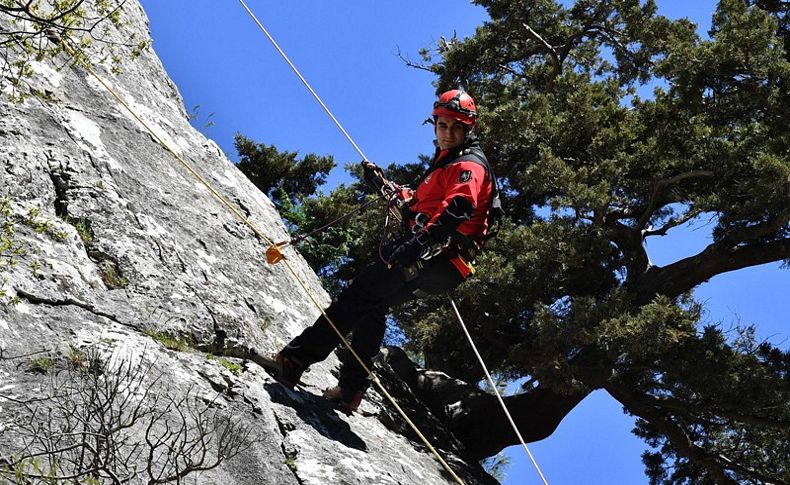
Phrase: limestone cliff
{"type": "Point", "coordinates": [132, 249]}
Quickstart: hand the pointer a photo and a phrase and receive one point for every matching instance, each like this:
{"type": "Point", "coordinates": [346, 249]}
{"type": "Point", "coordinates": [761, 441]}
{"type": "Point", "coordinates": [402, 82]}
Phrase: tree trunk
{"type": "Point", "coordinates": [475, 417]}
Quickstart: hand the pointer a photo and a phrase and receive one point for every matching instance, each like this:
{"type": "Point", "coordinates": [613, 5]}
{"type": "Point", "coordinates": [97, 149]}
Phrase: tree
{"type": "Point", "coordinates": [567, 296]}
{"type": "Point", "coordinates": [34, 30]}
{"type": "Point", "coordinates": [278, 174]}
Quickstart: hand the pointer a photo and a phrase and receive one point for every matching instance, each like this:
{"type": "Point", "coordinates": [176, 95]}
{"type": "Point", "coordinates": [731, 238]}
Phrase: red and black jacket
{"type": "Point", "coordinates": [453, 198]}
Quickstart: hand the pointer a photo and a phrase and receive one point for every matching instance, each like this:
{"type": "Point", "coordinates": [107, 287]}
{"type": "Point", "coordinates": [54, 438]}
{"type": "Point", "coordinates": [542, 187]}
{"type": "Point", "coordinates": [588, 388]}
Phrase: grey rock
{"type": "Point", "coordinates": [136, 245]}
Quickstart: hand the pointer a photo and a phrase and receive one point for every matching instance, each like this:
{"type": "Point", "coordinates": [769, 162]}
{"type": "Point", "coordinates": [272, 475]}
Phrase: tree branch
{"type": "Point", "coordinates": [555, 58]}
{"type": "Point", "coordinates": [409, 63]}
{"type": "Point", "coordinates": [662, 231]}
{"type": "Point", "coordinates": [659, 190]}
{"type": "Point", "coordinates": [697, 409]}
{"type": "Point", "coordinates": [640, 406]}
{"type": "Point", "coordinates": [468, 411]}
{"type": "Point", "coordinates": [681, 276]}
{"type": "Point", "coordinates": [752, 233]}
{"type": "Point", "coordinates": [512, 71]}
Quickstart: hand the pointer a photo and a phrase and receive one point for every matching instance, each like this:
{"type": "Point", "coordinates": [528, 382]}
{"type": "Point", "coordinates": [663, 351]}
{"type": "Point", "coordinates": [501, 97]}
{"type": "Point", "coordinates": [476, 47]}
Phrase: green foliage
{"type": "Point", "coordinates": [14, 249]}
{"type": "Point", "coordinates": [83, 228]}
{"type": "Point", "coordinates": [111, 275]}
{"type": "Point", "coordinates": [735, 391]}
{"type": "Point", "coordinates": [23, 469]}
{"type": "Point", "coordinates": [331, 250]}
{"type": "Point", "coordinates": [65, 30]}
{"type": "Point", "coordinates": [290, 461]}
{"type": "Point", "coordinates": [170, 341]}
{"type": "Point", "coordinates": [11, 249]}
{"type": "Point", "coordinates": [233, 367]}
{"type": "Point", "coordinates": [77, 358]}
{"type": "Point", "coordinates": [279, 173]}
{"type": "Point", "coordinates": [265, 324]}
{"type": "Point", "coordinates": [42, 364]}
{"type": "Point", "coordinates": [591, 168]}
{"type": "Point", "coordinates": [292, 185]}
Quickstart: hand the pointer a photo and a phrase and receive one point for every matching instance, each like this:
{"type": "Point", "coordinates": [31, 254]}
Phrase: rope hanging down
{"type": "Point", "coordinates": [496, 391]}
{"type": "Point", "coordinates": [304, 81]}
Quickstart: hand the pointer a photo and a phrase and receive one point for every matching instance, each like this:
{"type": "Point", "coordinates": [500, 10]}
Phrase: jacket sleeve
{"type": "Point", "coordinates": [463, 183]}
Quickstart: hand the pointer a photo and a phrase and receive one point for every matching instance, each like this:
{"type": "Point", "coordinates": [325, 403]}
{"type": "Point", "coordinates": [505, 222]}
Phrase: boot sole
{"type": "Point", "coordinates": [272, 367]}
{"type": "Point", "coordinates": [339, 406]}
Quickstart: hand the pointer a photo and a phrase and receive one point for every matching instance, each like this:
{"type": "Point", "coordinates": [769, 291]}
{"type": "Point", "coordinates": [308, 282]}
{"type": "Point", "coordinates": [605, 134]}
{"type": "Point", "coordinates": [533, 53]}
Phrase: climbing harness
{"type": "Point", "coordinates": [397, 194]}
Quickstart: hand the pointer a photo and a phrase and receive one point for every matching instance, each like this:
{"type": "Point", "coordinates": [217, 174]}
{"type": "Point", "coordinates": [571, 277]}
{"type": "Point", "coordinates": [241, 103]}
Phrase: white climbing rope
{"type": "Point", "coordinates": [304, 81]}
{"type": "Point", "coordinates": [496, 391]}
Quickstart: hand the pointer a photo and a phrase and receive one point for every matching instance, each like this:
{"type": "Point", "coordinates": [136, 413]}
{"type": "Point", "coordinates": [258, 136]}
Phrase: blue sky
{"type": "Point", "coordinates": [347, 50]}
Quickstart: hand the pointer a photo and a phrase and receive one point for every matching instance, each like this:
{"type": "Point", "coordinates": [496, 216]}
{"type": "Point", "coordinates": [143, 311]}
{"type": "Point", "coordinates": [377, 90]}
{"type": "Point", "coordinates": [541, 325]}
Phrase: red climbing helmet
{"type": "Point", "coordinates": [458, 105]}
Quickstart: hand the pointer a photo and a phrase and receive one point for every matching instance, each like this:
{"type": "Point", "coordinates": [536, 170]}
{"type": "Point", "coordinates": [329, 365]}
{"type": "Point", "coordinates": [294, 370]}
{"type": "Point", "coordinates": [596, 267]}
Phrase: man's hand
{"type": "Point", "coordinates": [374, 176]}
{"type": "Point", "coordinates": [407, 253]}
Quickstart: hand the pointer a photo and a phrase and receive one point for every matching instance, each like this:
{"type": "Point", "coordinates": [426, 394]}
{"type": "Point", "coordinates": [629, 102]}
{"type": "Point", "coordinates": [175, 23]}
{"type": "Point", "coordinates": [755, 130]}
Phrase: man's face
{"type": "Point", "coordinates": [450, 132]}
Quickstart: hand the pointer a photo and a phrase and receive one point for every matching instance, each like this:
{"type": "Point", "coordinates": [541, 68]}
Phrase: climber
{"type": "Point", "coordinates": [447, 220]}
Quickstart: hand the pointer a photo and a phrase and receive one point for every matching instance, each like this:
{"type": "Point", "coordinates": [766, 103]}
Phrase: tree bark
{"type": "Point", "coordinates": [475, 417]}
{"type": "Point", "coordinates": [481, 425]}
{"type": "Point", "coordinates": [681, 276]}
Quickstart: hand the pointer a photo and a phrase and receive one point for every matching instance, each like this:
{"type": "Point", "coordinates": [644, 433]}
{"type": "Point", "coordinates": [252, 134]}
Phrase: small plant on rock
{"type": "Point", "coordinates": [169, 341]}
{"type": "Point", "coordinates": [42, 364]}
{"type": "Point", "coordinates": [233, 367]}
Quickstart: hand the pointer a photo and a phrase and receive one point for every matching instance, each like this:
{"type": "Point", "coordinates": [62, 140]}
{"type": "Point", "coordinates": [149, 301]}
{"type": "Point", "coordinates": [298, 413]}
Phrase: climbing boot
{"type": "Point", "coordinates": [286, 370]}
{"type": "Point", "coordinates": [346, 401]}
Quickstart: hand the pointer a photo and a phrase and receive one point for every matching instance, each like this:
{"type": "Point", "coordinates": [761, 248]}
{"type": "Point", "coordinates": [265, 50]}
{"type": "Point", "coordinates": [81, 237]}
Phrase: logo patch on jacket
{"type": "Point", "coordinates": [466, 176]}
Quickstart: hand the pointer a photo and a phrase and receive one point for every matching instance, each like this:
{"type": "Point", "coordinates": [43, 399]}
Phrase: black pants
{"type": "Point", "coordinates": [362, 310]}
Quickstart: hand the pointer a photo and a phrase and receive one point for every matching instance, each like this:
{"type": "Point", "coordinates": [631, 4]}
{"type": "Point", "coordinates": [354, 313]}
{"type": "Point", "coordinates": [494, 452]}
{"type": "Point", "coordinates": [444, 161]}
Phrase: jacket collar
{"type": "Point", "coordinates": [470, 142]}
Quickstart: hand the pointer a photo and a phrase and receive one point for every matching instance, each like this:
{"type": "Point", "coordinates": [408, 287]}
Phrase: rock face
{"type": "Point", "coordinates": [131, 249]}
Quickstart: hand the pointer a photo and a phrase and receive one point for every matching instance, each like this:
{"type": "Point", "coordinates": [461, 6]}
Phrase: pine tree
{"type": "Point", "coordinates": [568, 295]}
